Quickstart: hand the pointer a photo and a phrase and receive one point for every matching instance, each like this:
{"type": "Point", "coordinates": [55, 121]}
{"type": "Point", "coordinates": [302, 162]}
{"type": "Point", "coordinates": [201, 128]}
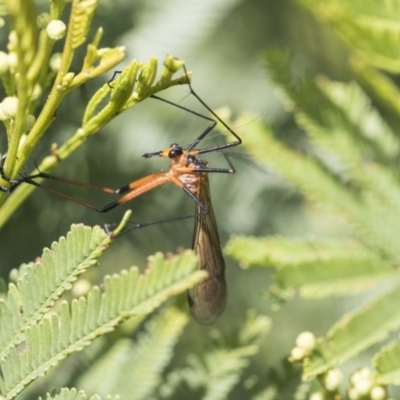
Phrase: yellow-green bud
{"type": "Point", "coordinates": [55, 62]}
{"type": "Point", "coordinates": [81, 287]}
{"type": "Point", "coordinates": [29, 121]}
{"type": "Point", "coordinates": [306, 340]}
{"type": "Point", "coordinates": [297, 354]}
{"type": "Point", "coordinates": [36, 92]}
{"type": "Point", "coordinates": [378, 393]}
{"type": "Point", "coordinates": [56, 29]}
{"type": "Point", "coordinates": [333, 379]}
{"type": "Point", "coordinates": [9, 106]}
{"type": "Point", "coordinates": [43, 20]}
{"type": "Point", "coordinates": [317, 396]}
{"type": "Point", "coordinates": [12, 60]}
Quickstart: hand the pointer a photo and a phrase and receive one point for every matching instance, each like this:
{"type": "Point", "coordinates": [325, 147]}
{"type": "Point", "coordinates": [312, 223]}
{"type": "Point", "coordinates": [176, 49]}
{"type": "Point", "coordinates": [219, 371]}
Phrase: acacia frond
{"type": "Point", "coordinates": [348, 167]}
{"type": "Point", "coordinates": [44, 340]}
{"type": "Point", "coordinates": [363, 120]}
{"type": "Point", "coordinates": [387, 364]}
{"type": "Point", "coordinates": [337, 117]}
{"type": "Point", "coordinates": [355, 180]}
{"type": "Point", "coordinates": [126, 294]}
{"type": "Point", "coordinates": [41, 284]}
{"type": "Point", "coordinates": [216, 372]}
{"type": "Point", "coordinates": [369, 27]}
{"type": "Point", "coordinates": [80, 20]}
{"type": "Point", "coordinates": [379, 83]}
{"type": "Point", "coordinates": [355, 332]}
{"type": "Point", "coordinates": [73, 394]}
{"type": "Point", "coordinates": [313, 268]}
{"type": "Point", "coordinates": [133, 369]}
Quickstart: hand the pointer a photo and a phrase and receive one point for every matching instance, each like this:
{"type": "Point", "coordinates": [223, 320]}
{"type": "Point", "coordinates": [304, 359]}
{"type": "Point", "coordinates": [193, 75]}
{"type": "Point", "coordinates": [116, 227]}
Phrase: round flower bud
{"type": "Point", "coordinates": [333, 379]}
{"type": "Point", "coordinates": [56, 29]}
{"type": "Point", "coordinates": [363, 373]}
{"type": "Point", "coordinates": [378, 393]}
{"type": "Point", "coordinates": [29, 121]}
{"type": "Point", "coordinates": [297, 354]}
{"type": "Point", "coordinates": [353, 394]}
{"type": "Point", "coordinates": [43, 20]}
{"type": "Point", "coordinates": [306, 340]}
{"type": "Point", "coordinates": [363, 385]}
{"type": "Point", "coordinates": [317, 396]}
{"type": "Point", "coordinates": [12, 60]}
{"type": "Point", "coordinates": [81, 287]}
{"type": "Point", "coordinates": [36, 92]}
{"type": "Point", "coordinates": [55, 62]}
{"type": "Point", "coordinates": [10, 106]}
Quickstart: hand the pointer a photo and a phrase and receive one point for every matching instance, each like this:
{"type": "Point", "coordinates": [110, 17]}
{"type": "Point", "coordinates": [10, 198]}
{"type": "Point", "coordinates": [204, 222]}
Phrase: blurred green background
{"type": "Point", "coordinates": [222, 43]}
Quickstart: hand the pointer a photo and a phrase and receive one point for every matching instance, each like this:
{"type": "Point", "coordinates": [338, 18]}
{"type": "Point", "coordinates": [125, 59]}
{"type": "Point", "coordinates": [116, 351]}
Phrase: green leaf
{"type": "Point", "coordinates": [80, 20]}
{"type": "Point", "coordinates": [219, 370]}
{"type": "Point", "coordinates": [74, 394]}
{"type": "Point", "coordinates": [387, 364]}
{"type": "Point", "coordinates": [133, 369]}
{"type": "Point", "coordinates": [329, 179]}
{"type": "Point", "coordinates": [314, 268]}
{"type": "Point", "coordinates": [369, 27]}
{"type": "Point", "coordinates": [23, 23]}
{"type": "Point", "coordinates": [363, 120]}
{"type": "Point", "coordinates": [125, 295]}
{"type": "Point", "coordinates": [42, 283]}
{"type": "Point", "coordinates": [385, 90]}
{"type": "Point", "coordinates": [355, 332]}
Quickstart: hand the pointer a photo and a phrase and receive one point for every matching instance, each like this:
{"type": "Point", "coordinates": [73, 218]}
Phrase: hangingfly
{"type": "Point", "coordinates": [207, 299]}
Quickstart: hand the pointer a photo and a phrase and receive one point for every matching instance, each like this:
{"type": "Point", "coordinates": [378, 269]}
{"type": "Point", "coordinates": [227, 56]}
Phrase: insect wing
{"type": "Point", "coordinates": [207, 299]}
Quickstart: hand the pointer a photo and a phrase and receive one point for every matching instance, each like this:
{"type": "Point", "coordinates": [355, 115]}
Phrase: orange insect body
{"type": "Point", "coordinates": [207, 299]}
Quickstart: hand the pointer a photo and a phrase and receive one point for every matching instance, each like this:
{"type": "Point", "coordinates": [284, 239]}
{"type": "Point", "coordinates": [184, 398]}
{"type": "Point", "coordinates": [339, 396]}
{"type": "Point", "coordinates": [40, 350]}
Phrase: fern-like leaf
{"type": "Point", "coordinates": [363, 191]}
{"type": "Point", "coordinates": [126, 294]}
{"type": "Point", "coordinates": [356, 332]}
{"type": "Point", "coordinates": [217, 372]}
{"type": "Point", "coordinates": [80, 20]}
{"type": "Point", "coordinates": [370, 27]}
{"type": "Point", "coordinates": [362, 118]}
{"type": "Point", "coordinates": [73, 394]}
{"type": "Point", "coordinates": [133, 370]}
{"type": "Point", "coordinates": [314, 268]}
{"type": "Point", "coordinates": [41, 284]}
{"type": "Point", "coordinates": [387, 364]}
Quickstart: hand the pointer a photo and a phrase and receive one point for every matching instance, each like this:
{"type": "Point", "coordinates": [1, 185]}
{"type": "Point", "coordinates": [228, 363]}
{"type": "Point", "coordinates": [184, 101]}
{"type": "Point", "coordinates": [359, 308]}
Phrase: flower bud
{"type": "Point", "coordinates": [12, 60]}
{"type": "Point", "coordinates": [297, 354]}
{"type": "Point", "coordinates": [378, 393]}
{"type": "Point", "coordinates": [55, 62]}
{"type": "Point", "coordinates": [56, 29]}
{"type": "Point", "coordinates": [317, 396]}
{"type": "Point", "coordinates": [10, 106]}
{"type": "Point", "coordinates": [333, 379]}
{"type": "Point", "coordinates": [306, 340]}
{"type": "Point", "coordinates": [29, 121]}
{"type": "Point", "coordinates": [36, 92]}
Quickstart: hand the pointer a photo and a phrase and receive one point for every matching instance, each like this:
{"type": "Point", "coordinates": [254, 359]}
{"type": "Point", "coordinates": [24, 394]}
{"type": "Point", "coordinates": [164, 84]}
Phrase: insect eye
{"type": "Point", "coordinates": [175, 151]}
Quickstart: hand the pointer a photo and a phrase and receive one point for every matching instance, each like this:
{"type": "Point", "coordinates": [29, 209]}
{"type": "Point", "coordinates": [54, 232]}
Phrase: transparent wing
{"type": "Point", "coordinates": [208, 298]}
